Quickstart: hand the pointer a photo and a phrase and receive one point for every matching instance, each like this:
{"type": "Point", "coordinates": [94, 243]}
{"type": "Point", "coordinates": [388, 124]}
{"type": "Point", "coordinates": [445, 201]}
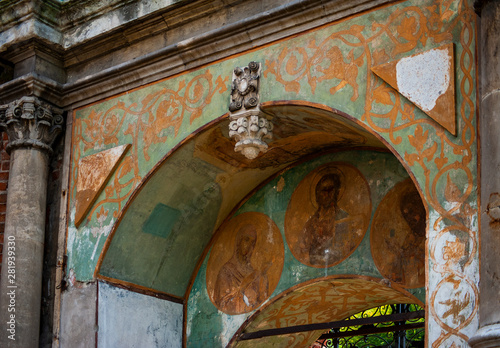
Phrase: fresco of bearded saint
{"type": "Point", "coordinates": [320, 229]}
{"type": "Point", "coordinates": [328, 215]}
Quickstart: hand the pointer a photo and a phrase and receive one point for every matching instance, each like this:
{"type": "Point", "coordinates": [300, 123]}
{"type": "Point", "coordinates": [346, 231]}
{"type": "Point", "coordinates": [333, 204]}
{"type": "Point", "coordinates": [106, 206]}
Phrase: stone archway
{"type": "Point", "coordinates": [215, 179]}
{"type": "Point", "coordinates": [302, 131]}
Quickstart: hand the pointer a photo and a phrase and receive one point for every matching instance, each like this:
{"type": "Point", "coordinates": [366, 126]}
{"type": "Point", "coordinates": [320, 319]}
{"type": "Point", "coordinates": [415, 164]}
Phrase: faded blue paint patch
{"type": "Point", "coordinates": [161, 221]}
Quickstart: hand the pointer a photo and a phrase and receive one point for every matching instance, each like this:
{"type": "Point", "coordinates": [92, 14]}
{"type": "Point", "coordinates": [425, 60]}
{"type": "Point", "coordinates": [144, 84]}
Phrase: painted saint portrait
{"type": "Point", "coordinates": [398, 236]}
{"type": "Point", "coordinates": [328, 215]}
{"type": "Point", "coordinates": [245, 263]}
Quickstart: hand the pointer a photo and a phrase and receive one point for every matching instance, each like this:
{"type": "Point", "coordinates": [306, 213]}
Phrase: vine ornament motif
{"type": "Point", "coordinates": [30, 123]}
{"type": "Point", "coordinates": [249, 126]}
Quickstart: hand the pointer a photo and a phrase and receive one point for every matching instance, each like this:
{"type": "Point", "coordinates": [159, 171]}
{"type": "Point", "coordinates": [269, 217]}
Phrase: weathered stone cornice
{"type": "Point", "coordinates": [69, 23]}
{"type": "Point", "coordinates": [32, 85]}
{"type": "Point", "coordinates": [94, 71]}
{"type": "Point", "coordinates": [27, 19]}
{"type": "Point", "coordinates": [256, 23]}
{"type": "Point", "coordinates": [12, 12]}
{"type": "Point", "coordinates": [207, 47]}
{"type": "Point", "coordinates": [30, 123]}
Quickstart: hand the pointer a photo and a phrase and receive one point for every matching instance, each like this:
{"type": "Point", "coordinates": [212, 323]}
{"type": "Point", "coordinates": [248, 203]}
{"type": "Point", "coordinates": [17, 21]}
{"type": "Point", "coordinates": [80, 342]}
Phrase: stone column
{"type": "Point", "coordinates": [488, 334]}
{"type": "Point", "coordinates": [31, 126]}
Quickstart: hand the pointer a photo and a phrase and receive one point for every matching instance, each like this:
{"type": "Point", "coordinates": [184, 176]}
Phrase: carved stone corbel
{"type": "Point", "coordinates": [249, 125]}
{"type": "Point", "coordinates": [30, 123]}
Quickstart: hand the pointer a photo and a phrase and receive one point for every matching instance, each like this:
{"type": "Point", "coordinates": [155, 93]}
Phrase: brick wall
{"type": "Point", "coordinates": [4, 178]}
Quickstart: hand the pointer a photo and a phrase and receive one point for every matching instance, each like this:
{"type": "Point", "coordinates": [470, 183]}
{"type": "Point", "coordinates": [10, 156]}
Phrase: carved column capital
{"type": "Point", "coordinates": [249, 130]}
{"type": "Point", "coordinates": [30, 123]}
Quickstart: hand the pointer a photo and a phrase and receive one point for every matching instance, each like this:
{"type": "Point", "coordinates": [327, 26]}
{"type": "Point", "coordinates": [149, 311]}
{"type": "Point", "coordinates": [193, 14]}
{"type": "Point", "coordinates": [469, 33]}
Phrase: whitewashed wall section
{"type": "Point", "coordinates": [128, 319]}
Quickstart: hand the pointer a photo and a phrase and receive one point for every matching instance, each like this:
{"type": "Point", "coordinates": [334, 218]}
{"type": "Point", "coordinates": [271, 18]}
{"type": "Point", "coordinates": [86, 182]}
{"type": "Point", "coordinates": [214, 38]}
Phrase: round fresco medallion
{"type": "Point", "coordinates": [245, 263]}
{"type": "Point", "coordinates": [328, 215]}
{"type": "Point", "coordinates": [397, 236]}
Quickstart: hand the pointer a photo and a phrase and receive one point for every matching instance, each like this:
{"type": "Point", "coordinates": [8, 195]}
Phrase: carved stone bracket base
{"type": "Point", "coordinates": [249, 129]}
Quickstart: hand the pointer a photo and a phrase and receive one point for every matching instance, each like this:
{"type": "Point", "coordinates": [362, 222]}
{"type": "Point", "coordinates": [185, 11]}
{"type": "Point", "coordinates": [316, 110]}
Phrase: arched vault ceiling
{"type": "Point", "coordinates": [170, 221]}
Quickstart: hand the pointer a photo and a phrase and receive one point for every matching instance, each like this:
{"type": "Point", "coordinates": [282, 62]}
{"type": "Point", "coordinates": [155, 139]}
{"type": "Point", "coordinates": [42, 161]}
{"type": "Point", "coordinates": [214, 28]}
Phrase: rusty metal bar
{"type": "Point", "coordinates": [371, 330]}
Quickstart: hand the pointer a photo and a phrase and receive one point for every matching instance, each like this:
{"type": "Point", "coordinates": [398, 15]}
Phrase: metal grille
{"type": "Point", "coordinates": [406, 333]}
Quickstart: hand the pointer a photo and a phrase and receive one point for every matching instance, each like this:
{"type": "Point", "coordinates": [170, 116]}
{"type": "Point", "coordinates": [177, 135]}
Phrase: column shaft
{"type": "Point", "coordinates": [489, 286]}
{"type": "Point", "coordinates": [21, 279]}
{"type": "Point", "coordinates": [32, 127]}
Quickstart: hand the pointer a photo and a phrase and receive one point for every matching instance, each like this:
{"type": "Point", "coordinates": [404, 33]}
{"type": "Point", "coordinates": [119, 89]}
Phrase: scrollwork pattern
{"type": "Point", "coordinates": [159, 116]}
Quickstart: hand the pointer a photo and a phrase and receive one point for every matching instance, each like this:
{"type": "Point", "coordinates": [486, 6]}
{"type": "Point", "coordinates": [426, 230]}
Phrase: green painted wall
{"type": "Point", "coordinates": [164, 260]}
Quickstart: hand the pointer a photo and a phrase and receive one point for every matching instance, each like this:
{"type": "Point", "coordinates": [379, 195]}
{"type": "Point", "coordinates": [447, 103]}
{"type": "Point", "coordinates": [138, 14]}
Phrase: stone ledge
{"type": "Point", "coordinates": [32, 85]}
